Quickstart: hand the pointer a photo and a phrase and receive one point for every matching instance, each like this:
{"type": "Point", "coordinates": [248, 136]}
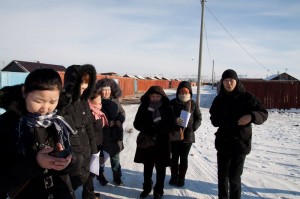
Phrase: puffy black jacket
{"type": "Point", "coordinates": [226, 110]}
{"type": "Point", "coordinates": [76, 111]}
{"type": "Point", "coordinates": [22, 168]}
{"type": "Point", "coordinates": [113, 136]}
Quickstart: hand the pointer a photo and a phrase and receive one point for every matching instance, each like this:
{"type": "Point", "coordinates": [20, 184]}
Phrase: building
{"type": "Point", "coordinates": [282, 76]}
{"type": "Point", "coordinates": [23, 66]}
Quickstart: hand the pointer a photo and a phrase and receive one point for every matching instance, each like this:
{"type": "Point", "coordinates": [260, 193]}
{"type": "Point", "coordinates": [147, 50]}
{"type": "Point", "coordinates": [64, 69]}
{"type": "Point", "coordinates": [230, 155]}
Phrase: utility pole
{"type": "Point", "coordinates": [200, 55]}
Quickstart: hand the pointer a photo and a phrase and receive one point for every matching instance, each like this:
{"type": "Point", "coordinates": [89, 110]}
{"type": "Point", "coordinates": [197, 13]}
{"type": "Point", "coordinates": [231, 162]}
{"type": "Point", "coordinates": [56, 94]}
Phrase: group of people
{"type": "Point", "coordinates": [51, 130]}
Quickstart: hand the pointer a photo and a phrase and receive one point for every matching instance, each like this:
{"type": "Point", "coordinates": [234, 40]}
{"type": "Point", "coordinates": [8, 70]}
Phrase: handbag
{"type": "Point", "coordinates": [178, 135]}
{"type": "Point", "coordinates": [144, 141]}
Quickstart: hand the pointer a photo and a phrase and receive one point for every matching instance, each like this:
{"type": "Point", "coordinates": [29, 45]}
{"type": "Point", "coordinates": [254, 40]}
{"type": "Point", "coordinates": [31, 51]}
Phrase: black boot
{"type": "Point", "coordinates": [101, 178]}
{"type": "Point", "coordinates": [147, 187]}
{"type": "Point", "coordinates": [181, 175]}
{"type": "Point", "coordinates": [174, 175]}
{"type": "Point", "coordinates": [97, 196]}
{"type": "Point", "coordinates": [158, 192]}
{"type": "Point", "coordinates": [117, 179]}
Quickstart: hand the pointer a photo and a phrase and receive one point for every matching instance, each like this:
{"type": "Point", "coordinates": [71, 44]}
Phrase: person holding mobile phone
{"type": "Point", "coordinates": [32, 137]}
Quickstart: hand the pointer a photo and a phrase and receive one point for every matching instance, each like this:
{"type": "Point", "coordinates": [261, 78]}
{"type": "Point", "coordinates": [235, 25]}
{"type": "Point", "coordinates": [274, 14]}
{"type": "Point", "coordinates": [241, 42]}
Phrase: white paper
{"type": "Point", "coordinates": [185, 116]}
{"type": "Point", "coordinates": [94, 167]}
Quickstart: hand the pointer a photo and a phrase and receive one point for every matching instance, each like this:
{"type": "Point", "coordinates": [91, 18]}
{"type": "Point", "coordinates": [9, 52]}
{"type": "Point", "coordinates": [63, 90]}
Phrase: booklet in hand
{"type": "Point", "coordinates": [185, 116]}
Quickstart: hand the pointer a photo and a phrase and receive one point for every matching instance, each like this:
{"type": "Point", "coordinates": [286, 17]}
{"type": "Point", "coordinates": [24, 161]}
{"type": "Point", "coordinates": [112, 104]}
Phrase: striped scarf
{"type": "Point", "coordinates": [32, 120]}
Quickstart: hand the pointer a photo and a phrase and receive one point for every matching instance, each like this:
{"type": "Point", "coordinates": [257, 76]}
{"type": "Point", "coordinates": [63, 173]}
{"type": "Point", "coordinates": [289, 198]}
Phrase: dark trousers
{"type": "Point", "coordinates": [3, 194]}
{"type": "Point", "coordinates": [160, 177]}
{"type": "Point", "coordinates": [230, 170]}
{"type": "Point", "coordinates": [180, 150]}
{"type": "Point", "coordinates": [88, 188]}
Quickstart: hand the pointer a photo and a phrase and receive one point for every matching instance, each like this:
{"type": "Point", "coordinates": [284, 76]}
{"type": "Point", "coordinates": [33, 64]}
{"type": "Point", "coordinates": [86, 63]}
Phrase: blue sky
{"type": "Point", "coordinates": [155, 37]}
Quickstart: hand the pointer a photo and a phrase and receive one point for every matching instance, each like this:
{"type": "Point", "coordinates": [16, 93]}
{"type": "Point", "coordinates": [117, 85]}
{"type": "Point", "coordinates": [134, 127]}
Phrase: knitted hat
{"type": "Point", "coordinates": [230, 74]}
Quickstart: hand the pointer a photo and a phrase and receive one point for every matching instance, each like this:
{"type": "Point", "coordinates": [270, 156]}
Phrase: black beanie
{"type": "Point", "coordinates": [230, 74]}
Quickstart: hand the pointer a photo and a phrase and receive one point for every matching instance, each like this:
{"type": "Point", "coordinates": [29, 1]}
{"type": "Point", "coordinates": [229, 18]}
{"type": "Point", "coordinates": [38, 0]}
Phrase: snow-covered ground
{"type": "Point", "coordinates": [272, 170]}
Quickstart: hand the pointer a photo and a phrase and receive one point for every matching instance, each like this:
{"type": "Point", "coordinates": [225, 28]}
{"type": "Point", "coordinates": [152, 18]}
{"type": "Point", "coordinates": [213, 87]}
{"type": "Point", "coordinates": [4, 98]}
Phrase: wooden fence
{"type": "Point", "coordinates": [275, 94]}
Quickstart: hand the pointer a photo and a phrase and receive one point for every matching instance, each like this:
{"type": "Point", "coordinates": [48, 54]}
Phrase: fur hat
{"type": "Point", "coordinates": [229, 73]}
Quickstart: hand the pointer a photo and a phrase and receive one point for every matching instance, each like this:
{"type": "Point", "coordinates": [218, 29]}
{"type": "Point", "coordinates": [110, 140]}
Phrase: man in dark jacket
{"type": "Point", "coordinates": [233, 110]}
{"type": "Point", "coordinates": [79, 83]}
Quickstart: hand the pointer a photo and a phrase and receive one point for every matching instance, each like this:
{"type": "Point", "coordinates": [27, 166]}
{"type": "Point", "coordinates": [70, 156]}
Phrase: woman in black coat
{"type": "Point", "coordinates": [154, 118]}
{"type": "Point", "coordinates": [79, 84]}
{"type": "Point", "coordinates": [34, 140]}
{"type": "Point", "coordinates": [113, 131]}
{"type": "Point", "coordinates": [181, 148]}
{"type": "Point", "coordinates": [232, 111]}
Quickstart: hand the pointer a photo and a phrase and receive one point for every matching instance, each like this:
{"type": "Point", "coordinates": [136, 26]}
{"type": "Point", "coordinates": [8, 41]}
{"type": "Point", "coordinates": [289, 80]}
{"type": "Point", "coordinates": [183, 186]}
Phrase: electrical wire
{"type": "Point", "coordinates": [258, 62]}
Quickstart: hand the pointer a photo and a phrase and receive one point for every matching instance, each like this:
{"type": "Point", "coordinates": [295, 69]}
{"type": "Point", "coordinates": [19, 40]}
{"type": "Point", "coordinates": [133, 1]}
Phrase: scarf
{"type": "Point", "coordinates": [154, 108]}
{"type": "Point", "coordinates": [98, 114]}
{"type": "Point", "coordinates": [32, 120]}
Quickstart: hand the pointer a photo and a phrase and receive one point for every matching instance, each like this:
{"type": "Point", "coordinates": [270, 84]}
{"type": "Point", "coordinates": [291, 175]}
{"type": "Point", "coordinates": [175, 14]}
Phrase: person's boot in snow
{"type": "Point", "coordinates": [97, 196]}
{"type": "Point", "coordinates": [174, 175]}
{"type": "Point", "coordinates": [117, 179]}
{"type": "Point", "coordinates": [101, 178]}
{"type": "Point", "coordinates": [147, 187]}
{"type": "Point", "coordinates": [181, 176]}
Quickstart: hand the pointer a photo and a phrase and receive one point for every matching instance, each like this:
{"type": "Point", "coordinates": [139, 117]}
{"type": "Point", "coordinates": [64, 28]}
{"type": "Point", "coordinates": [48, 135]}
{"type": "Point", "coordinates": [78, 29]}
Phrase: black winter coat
{"type": "Point", "coordinates": [113, 136]}
{"type": "Point", "coordinates": [194, 121]}
{"type": "Point", "coordinates": [98, 132]}
{"type": "Point", "coordinates": [76, 111]}
{"type": "Point", "coordinates": [160, 153]}
{"type": "Point", "coordinates": [21, 168]}
{"type": "Point", "coordinates": [225, 112]}
{"type": "Point", "coordinates": [190, 106]}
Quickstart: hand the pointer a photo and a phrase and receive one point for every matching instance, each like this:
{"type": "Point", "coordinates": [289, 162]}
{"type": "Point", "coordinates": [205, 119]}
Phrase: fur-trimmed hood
{"type": "Point", "coordinates": [73, 79]}
{"type": "Point", "coordinates": [11, 99]}
{"type": "Point", "coordinates": [115, 89]}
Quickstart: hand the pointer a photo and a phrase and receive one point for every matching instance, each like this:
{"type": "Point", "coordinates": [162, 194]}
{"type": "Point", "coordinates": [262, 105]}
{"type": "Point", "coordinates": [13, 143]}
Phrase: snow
{"type": "Point", "coordinates": [271, 170]}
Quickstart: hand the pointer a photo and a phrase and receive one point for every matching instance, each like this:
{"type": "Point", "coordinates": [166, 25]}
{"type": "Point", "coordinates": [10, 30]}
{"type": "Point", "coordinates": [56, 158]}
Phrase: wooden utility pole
{"type": "Point", "coordinates": [200, 54]}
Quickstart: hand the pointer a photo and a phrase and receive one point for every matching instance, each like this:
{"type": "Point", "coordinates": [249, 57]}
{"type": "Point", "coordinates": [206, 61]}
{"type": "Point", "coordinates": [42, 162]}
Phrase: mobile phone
{"type": "Point", "coordinates": [61, 154]}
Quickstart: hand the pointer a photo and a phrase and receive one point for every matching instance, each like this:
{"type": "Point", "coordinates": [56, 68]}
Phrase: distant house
{"type": "Point", "coordinates": [23, 66]}
{"type": "Point", "coordinates": [282, 76]}
{"type": "Point", "coordinates": [150, 78]}
{"type": "Point", "coordinates": [164, 78]}
{"type": "Point", "coordinates": [139, 77]}
{"type": "Point", "coordinates": [130, 76]}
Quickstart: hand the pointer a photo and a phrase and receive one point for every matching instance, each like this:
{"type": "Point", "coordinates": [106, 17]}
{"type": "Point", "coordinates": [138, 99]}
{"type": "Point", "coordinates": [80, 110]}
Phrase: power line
{"type": "Point", "coordinates": [237, 41]}
{"type": "Point", "coordinates": [207, 42]}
